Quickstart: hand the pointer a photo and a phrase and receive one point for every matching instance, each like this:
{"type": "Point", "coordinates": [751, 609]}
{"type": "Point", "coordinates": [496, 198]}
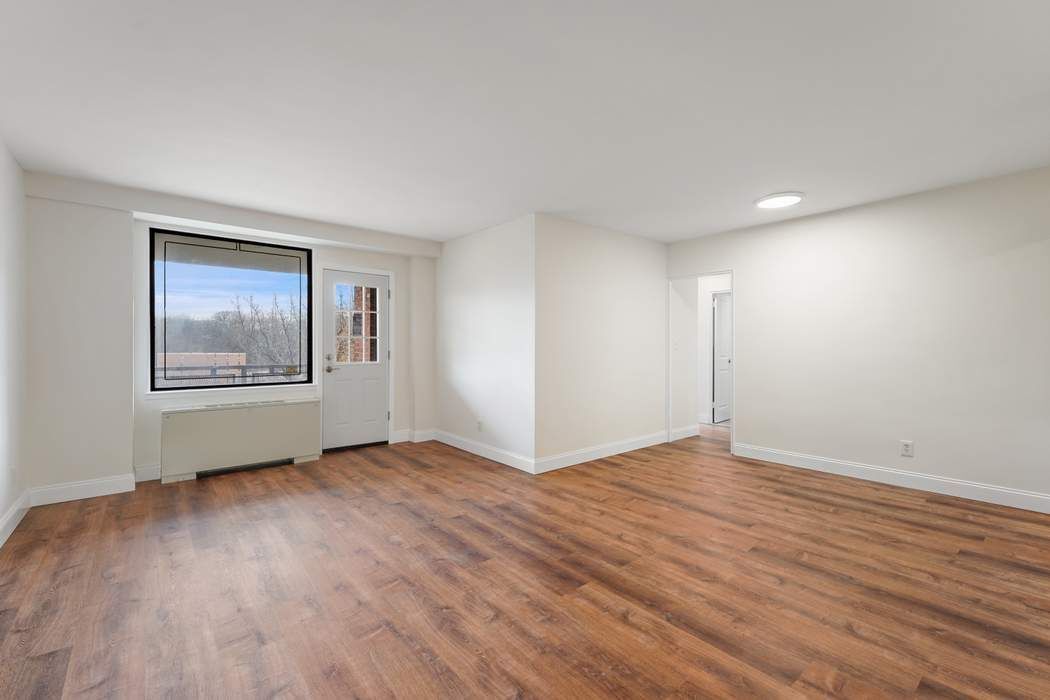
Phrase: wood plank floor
{"type": "Point", "coordinates": [421, 571]}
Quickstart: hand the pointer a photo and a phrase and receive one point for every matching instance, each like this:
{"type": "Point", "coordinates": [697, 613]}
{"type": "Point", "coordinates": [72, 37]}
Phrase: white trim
{"type": "Point", "coordinates": [685, 431]}
{"type": "Point", "coordinates": [568, 459]}
{"type": "Point", "coordinates": [13, 516]}
{"type": "Point", "coordinates": [403, 435]}
{"type": "Point", "coordinates": [1001, 495]}
{"type": "Point", "coordinates": [147, 473]}
{"type": "Point", "coordinates": [496, 454]}
{"type": "Point", "coordinates": [75, 490]}
{"type": "Point", "coordinates": [310, 390]}
{"type": "Point", "coordinates": [424, 435]}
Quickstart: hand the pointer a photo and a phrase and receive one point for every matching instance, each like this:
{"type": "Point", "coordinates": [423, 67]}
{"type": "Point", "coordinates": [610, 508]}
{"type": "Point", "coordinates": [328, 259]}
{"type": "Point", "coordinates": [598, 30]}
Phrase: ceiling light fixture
{"type": "Point", "coordinates": [779, 200]}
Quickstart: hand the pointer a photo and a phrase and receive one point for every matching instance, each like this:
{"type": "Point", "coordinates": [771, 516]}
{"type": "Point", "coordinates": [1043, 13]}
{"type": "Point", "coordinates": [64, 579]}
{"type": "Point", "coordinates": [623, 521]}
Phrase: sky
{"type": "Point", "coordinates": [201, 290]}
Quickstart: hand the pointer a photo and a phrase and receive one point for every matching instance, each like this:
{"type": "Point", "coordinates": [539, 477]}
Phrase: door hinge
{"type": "Point", "coordinates": [388, 294]}
{"type": "Point", "coordinates": [388, 354]}
{"type": "Point", "coordinates": [388, 415]}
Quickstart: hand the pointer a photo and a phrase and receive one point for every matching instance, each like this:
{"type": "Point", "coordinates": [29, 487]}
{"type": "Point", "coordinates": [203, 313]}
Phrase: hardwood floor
{"type": "Point", "coordinates": [422, 571]}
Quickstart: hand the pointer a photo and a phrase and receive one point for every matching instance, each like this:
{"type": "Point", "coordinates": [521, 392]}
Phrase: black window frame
{"type": "Point", "coordinates": [153, 312]}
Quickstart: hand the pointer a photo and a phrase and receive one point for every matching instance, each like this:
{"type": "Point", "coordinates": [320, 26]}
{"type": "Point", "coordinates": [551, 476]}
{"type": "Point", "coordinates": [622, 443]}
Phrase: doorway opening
{"type": "Point", "coordinates": [701, 371]}
{"type": "Point", "coordinates": [722, 358]}
{"type": "Point", "coordinates": [715, 346]}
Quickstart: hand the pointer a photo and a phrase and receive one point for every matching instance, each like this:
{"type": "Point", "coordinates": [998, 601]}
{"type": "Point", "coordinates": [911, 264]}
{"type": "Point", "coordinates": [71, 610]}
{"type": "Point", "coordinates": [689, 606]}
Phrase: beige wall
{"type": "Point", "coordinates": [922, 318]}
{"type": "Point", "coordinates": [601, 337]}
{"type": "Point", "coordinates": [79, 380]}
{"type": "Point", "coordinates": [12, 330]}
{"type": "Point", "coordinates": [485, 338]}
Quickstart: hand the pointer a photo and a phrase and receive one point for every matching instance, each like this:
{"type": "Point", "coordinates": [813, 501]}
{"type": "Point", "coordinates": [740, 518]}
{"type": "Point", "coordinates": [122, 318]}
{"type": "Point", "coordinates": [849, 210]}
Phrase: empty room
{"type": "Point", "coordinates": [525, 350]}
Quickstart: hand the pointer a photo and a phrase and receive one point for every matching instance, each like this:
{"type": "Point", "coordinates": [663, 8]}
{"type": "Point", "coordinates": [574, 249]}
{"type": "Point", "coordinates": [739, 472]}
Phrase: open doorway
{"type": "Point", "coordinates": [700, 377]}
{"type": "Point", "coordinates": [715, 348]}
{"type": "Point", "coordinates": [722, 358]}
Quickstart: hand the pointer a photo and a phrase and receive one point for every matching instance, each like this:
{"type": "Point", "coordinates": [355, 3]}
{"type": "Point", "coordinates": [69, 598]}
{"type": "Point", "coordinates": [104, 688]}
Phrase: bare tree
{"type": "Point", "coordinates": [268, 336]}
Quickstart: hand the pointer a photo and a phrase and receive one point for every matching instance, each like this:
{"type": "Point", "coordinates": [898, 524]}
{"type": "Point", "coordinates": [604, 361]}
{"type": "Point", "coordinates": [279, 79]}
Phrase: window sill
{"type": "Point", "coordinates": [233, 391]}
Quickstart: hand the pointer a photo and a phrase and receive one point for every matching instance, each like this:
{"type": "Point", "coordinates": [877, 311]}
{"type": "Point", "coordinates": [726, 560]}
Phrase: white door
{"type": "Point", "coordinates": [722, 400]}
{"type": "Point", "coordinates": [356, 376]}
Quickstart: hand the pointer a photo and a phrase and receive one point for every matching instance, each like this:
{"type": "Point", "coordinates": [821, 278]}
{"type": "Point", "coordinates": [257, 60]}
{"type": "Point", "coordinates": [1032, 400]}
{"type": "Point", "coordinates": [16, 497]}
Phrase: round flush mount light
{"type": "Point", "coordinates": [779, 200]}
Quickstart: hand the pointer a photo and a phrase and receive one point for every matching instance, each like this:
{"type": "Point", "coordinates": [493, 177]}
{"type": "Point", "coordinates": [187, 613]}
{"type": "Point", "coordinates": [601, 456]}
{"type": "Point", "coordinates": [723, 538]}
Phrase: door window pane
{"type": "Point", "coordinates": [342, 350]}
{"type": "Point", "coordinates": [357, 330]}
{"type": "Point", "coordinates": [356, 350]}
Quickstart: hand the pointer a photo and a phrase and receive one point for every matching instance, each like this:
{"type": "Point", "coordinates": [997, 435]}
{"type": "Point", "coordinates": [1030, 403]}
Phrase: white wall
{"type": "Point", "coordinates": [685, 356]}
{"type": "Point", "coordinates": [423, 290]}
{"type": "Point", "coordinates": [485, 338]}
{"type": "Point", "coordinates": [148, 406]}
{"type": "Point", "coordinates": [12, 330]}
{"type": "Point", "coordinates": [601, 337]}
{"type": "Point", "coordinates": [78, 385]}
{"type": "Point", "coordinates": [924, 317]}
{"type": "Point", "coordinates": [708, 285]}
{"type": "Point", "coordinates": [89, 415]}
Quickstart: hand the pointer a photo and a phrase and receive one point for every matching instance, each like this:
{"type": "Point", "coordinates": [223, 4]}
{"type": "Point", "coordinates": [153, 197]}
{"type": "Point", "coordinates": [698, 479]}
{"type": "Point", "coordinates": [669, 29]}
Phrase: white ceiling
{"type": "Point", "coordinates": [665, 119]}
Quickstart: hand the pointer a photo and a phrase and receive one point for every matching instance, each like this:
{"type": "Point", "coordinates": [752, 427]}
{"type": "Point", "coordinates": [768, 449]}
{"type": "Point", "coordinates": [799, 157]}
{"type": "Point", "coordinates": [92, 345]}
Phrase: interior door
{"type": "Point", "coordinates": [722, 398]}
{"type": "Point", "coordinates": [356, 376]}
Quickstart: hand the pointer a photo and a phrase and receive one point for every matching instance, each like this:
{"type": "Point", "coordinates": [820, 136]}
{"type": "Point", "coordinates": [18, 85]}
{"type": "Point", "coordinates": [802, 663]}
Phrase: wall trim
{"type": "Point", "coordinates": [147, 473]}
{"type": "Point", "coordinates": [568, 459]}
{"type": "Point", "coordinates": [424, 435]}
{"type": "Point", "coordinates": [988, 493]}
{"type": "Point", "coordinates": [396, 436]}
{"type": "Point", "coordinates": [685, 431]}
{"type": "Point", "coordinates": [13, 516]}
{"type": "Point", "coordinates": [496, 454]}
{"type": "Point", "coordinates": [75, 490]}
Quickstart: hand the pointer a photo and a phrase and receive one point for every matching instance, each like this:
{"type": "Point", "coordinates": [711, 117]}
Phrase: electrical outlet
{"type": "Point", "coordinates": [907, 448]}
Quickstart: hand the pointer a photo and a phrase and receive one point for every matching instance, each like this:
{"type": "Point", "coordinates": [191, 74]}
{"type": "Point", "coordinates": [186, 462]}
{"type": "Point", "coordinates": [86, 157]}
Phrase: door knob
{"type": "Point", "coordinates": [329, 368]}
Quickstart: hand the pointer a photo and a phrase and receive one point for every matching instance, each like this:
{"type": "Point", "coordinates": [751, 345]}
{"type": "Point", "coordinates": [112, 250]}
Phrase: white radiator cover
{"type": "Point", "coordinates": [231, 435]}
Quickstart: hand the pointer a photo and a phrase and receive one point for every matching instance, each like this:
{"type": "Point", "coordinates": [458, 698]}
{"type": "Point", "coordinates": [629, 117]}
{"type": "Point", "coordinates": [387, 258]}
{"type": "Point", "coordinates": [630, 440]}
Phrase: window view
{"type": "Point", "coordinates": [229, 313]}
{"type": "Point", "coordinates": [356, 321]}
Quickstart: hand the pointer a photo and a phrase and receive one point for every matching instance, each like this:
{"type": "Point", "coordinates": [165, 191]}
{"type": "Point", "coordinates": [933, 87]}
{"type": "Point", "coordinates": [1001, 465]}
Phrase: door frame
{"type": "Point", "coordinates": [714, 355]}
{"type": "Point", "coordinates": [391, 335]}
{"type": "Point", "coordinates": [667, 343]}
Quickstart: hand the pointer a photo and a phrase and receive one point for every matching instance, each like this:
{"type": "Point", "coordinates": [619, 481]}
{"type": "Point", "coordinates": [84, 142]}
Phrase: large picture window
{"type": "Point", "coordinates": [228, 313]}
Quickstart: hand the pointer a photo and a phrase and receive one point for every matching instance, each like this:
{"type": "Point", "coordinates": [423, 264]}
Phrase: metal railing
{"type": "Point", "coordinates": [222, 371]}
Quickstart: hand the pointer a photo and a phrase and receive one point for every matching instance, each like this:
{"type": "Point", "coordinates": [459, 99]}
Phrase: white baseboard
{"type": "Point", "coordinates": [1000, 495]}
{"type": "Point", "coordinates": [546, 464]}
{"type": "Point", "coordinates": [75, 490]}
{"type": "Point", "coordinates": [568, 459]}
{"type": "Point", "coordinates": [408, 435]}
{"type": "Point", "coordinates": [424, 435]}
{"type": "Point", "coordinates": [685, 431]}
{"type": "Point", "coordinates": [150, 473]}
{"type": "Point", "coordinates": [13, 516]}
{"type": "Point", "coordinates": [496, 454]}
